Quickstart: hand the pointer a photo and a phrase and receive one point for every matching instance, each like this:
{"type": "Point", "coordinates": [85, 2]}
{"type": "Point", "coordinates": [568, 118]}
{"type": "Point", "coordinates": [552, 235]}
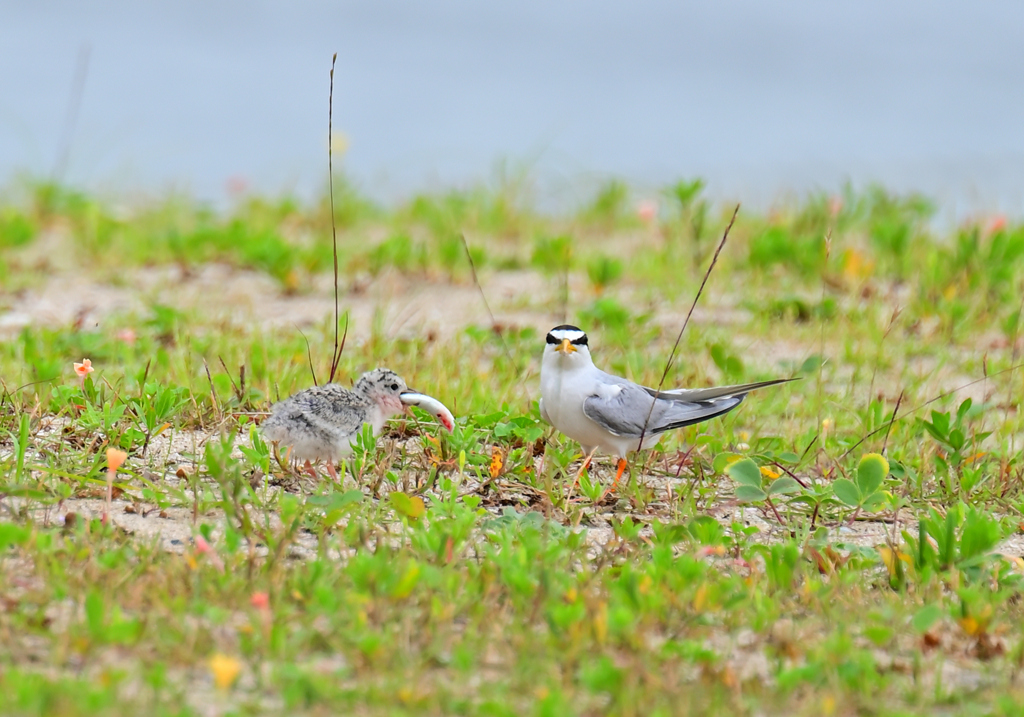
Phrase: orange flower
{"type": "Point", "coordinates": [260, 601]}
{"type": "Point", "coordinates": [496, 461]}
{"type": "Point", "coordinates": [115, 459]}
{"type": "Point", "coordinates": [84, 369]}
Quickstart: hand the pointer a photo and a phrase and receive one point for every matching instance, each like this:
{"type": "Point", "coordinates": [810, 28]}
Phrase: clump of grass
{"type": "Point", "coordinates": [801, 554]}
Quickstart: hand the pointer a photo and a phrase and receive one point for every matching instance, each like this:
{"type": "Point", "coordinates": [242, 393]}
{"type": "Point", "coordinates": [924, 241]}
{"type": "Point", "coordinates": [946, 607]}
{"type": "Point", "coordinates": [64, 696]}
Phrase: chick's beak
{"type": "Point", "coordinates": [566, 347]}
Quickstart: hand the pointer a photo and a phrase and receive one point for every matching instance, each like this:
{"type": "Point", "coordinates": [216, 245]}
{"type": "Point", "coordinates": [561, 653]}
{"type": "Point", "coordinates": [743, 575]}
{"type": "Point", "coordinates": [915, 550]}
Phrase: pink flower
{"type": "Point", "coordinates": [204, 548]}
{"type": "Point", "coordinates": [260, 601]}
{"type": "Point", "coordinates": [84, 369]}
{"type": "Point", "coordinates": [237, 185]}
{"type": "Point", "coordinates": [835, 205]}
{"type": "Point", "coordinates": [997, 224]}
{"type": "Point", "coordinates": [126, 335]}
{"type": "Point", "coordinates": [647, 211]}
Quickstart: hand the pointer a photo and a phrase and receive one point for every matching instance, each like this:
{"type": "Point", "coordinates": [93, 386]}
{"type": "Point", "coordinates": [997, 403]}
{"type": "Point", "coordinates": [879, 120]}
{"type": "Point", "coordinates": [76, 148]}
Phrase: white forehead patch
{"type": "Point", "coordinates": [572, 335]}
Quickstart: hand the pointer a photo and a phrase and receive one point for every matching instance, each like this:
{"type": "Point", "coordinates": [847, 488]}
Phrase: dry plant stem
{"type": "Point", "coordinates": [1013, 361]}
{"type": "Point", "coordinates": [878, 354]}
{"type": "Point", "coordinates": [821, 332]}
{"type": "Point", "coordinates": [490, 314]}
{"type": "Point", "coordinates": [583, 467]}
{"type": "Point", "coordinates": [213, 392]}
{"type": "Point", "coordinates": [74, 105]}
{"type": "Point", "coordinates": [776, 512]}
{"type": "Point", "coordinates": [108, 508]}
{"type": "Point", "coordinates": [309, 356]}
{"type": "Point", "coordinates": [234, 386]}
{"type": "Point", "coordinates": [927, 403]}
{"type": "Point", "coordinates": [338, 347]}
{"type": "Point", "coordinates": [885, 441]}
{"type": "Point", "coordinates": [790, 473]}
{"type": "Point", "coordinates": [679, 337]}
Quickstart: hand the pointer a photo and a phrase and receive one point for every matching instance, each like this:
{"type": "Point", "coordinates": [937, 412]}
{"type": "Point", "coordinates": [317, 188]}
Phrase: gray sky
{"type": "Point", "coordinates": [759, 98]}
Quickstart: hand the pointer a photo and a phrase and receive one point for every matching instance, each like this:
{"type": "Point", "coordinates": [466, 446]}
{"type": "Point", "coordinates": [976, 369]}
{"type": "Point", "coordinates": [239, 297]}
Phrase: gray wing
{"type": "Point", "coordinates": [323, 411]}
{"type": "Point", "coordinates": [623, 409]}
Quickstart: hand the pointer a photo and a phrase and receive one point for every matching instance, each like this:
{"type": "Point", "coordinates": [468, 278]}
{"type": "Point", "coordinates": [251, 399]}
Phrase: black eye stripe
{"type": "Point", "coordinates": [581, 341]}
{"type": "Point", "coordinates": [552, 340]}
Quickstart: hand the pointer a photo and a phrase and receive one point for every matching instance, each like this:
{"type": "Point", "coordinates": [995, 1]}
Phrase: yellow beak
{"type": "Point", "coordinates": [566, 347]}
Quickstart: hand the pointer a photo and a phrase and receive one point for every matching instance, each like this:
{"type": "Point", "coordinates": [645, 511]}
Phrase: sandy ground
{"type": "Point", "coordinates": [410, 306]}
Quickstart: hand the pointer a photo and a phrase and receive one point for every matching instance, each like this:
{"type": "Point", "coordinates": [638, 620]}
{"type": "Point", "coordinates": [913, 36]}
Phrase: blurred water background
{"type": "Point", "coordinates": [763, 100]}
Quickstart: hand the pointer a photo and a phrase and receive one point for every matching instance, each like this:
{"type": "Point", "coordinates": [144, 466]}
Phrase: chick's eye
{"type": "Point", "coordinates": [394, 387]}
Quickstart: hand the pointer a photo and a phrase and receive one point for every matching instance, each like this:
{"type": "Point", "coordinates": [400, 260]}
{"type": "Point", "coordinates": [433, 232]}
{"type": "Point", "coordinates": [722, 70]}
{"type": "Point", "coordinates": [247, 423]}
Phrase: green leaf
{"type": "Point", "coordinates": [940, 423]}
{"type": "Point", "coordinates": [878, 634]}
{"type": "Point", "coordinates": [95, 612]}
{"type": "Point", "coordinates": [873, 502]}
{"type": "Point", "coordinates": [980, 535]}
{"type": "Point", "coordinates": [409, 506]}
{"type": "Point", "coordinates": [811, 364]}
{"type": "Point", "coordinates": [749, 494]}
{"type": "Point", "coordinates": [724, 460]}
{"type": "Point", "coordinates": [745, 472]}
{"type": "Point", "coordinates": [925, 618]}
{"type": "Point", "coordinates": [871, 471]}
{"type": "Point", "coordinates": [335, 501]}
{"type": "Point", "coordinates": [963, 409]}
{"type": "Point", "coordinates": [956, 439]}
{"type": "Point", "coordinates": [847, 492]}
{"type": "Point", "coordinates": [11, 534]}
{"type": "Point", "coordinates": [784, 485]}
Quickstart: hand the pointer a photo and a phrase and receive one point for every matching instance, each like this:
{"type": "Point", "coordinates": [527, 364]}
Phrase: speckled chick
{"type": "Point", "coordinates": [321, 422]}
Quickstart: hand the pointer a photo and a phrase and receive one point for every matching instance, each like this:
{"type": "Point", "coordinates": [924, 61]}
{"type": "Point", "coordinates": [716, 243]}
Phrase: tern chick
{"type": "Point", "coordinates": [613, 414]}
{"type": "Point", "coordinates": [321, 422]}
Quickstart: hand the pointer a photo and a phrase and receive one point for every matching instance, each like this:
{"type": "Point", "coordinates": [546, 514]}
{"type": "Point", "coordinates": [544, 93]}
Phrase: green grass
{"type": "Point", "coordinates": [769, 562]}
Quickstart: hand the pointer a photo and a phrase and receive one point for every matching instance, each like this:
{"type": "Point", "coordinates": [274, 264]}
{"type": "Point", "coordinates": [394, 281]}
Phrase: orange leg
{"type": "Point", "coordinates": [618, 476]}
{"type": "Point", "coordinates": [309, 469]}
{"type": "Point", "coordinates": [332, 471]}
{"type": "Point", "coordinates": [619, 472]}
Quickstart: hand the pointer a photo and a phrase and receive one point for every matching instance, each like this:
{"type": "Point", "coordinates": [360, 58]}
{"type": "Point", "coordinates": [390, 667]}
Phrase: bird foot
{"type": "Point", "coordinates": [615, 484]}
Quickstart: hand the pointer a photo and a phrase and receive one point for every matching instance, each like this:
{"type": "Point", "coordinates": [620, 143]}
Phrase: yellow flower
{"type": "Point", "coordinates": [225, 670]}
